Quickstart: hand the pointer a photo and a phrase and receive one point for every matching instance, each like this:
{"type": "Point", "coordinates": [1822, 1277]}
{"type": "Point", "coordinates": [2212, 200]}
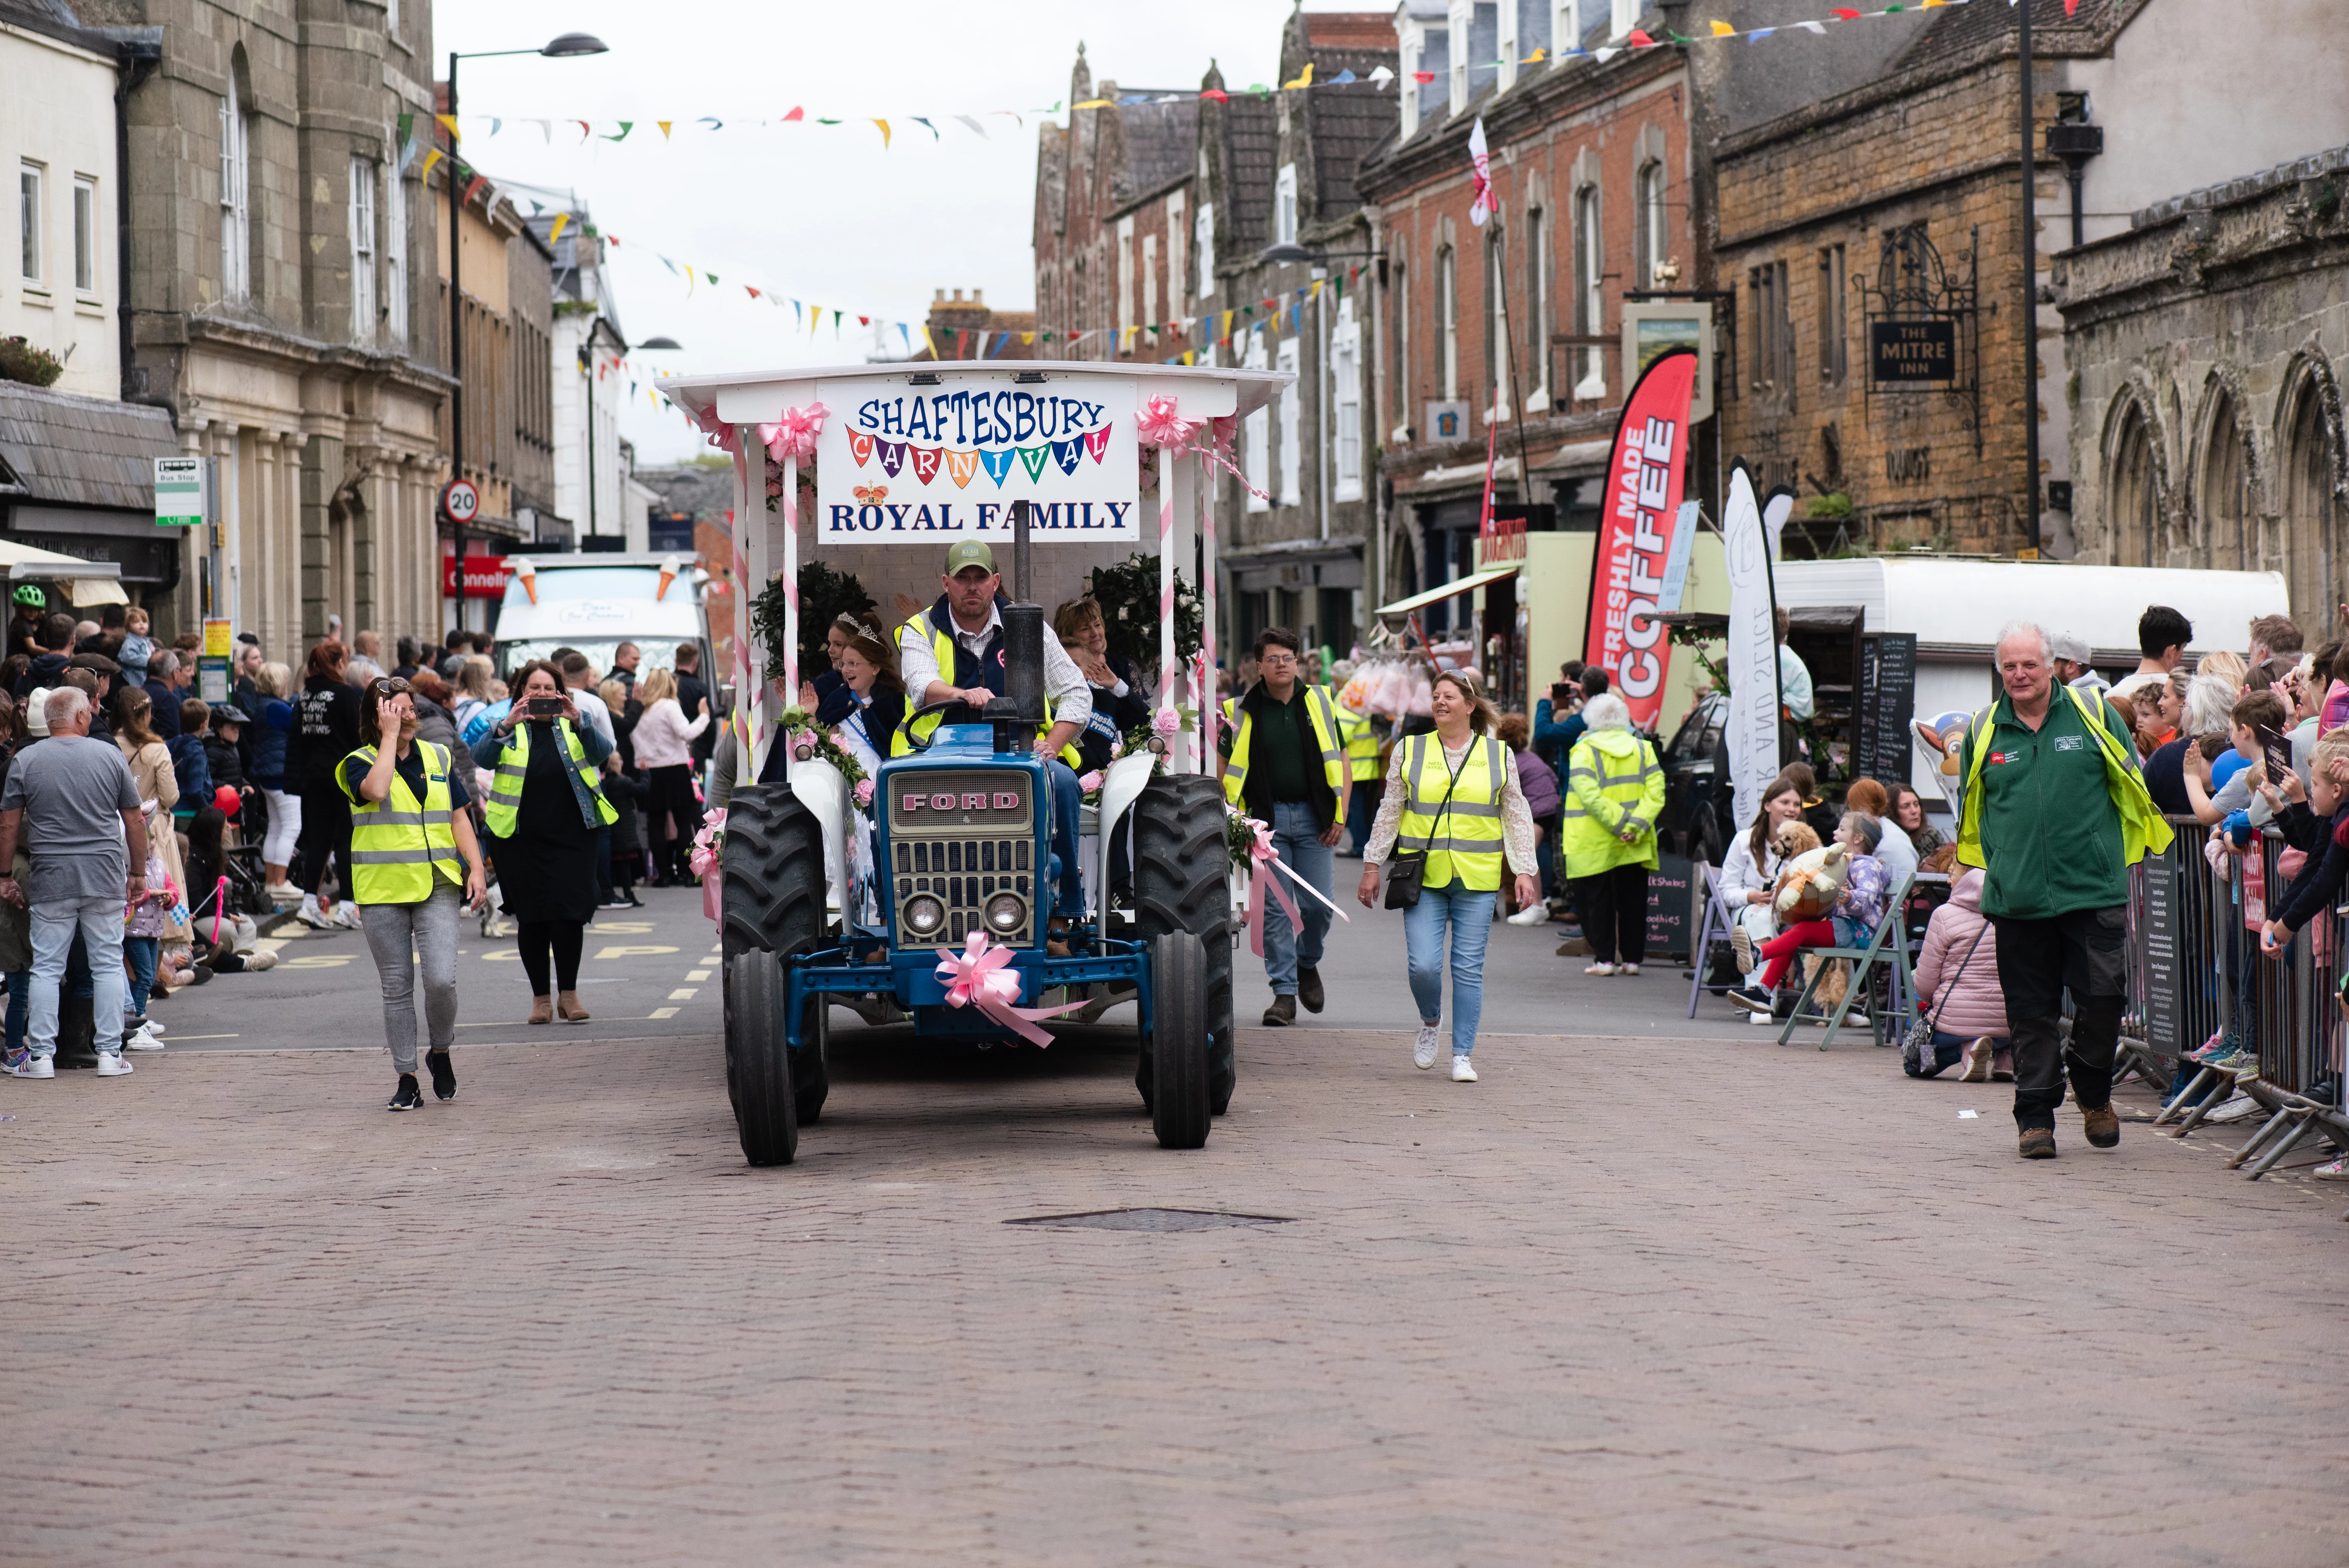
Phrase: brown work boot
{"type": "Point", "coordinates": [2037, 1143]}
{"type": "Point", "coordinates": [542, 1009]}
{"type": "Point", "coordinates": [2103, 1126]}
{"type": "Point", "coordinates": [1309, 989]}
{"type": "Point", "coordinates": [567, 1003]}
{"type": "Point", "coordinates": [1281, 1013]}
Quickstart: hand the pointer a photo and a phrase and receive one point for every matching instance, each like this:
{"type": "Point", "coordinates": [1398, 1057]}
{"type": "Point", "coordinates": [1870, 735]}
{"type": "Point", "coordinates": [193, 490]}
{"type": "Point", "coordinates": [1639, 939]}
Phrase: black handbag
{"type": "Point", "coordinates": [1407, 869]}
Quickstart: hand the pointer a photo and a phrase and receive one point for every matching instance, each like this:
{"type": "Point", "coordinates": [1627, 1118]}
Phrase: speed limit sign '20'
{"type": "Point", "coordinates": [460, 502]}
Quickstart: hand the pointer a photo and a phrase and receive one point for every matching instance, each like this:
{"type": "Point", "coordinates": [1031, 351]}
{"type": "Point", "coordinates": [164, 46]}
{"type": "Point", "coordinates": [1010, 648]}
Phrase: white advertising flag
{"type": "Point", "coordinates": [1752, 664]}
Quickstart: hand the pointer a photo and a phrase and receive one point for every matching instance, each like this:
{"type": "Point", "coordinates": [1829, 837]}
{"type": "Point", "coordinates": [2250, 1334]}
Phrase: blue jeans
{"type": "Point", "coordinates": [1067, 800]}
{"type": "Point", "coordinates": [100, 920]}
{"type": "Point", "coordinates": [1296, 835]}
{"type": "Point", "coordinates": [1471, 916]}
{"type": "Point", "coordinates": [1363, 812]}
{"type": "Point", "coordinates": [142, 952]}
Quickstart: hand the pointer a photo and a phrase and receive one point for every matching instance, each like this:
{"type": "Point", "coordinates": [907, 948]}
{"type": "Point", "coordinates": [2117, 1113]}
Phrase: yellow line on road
{"type": "Point", "coordinates": [682, 994]}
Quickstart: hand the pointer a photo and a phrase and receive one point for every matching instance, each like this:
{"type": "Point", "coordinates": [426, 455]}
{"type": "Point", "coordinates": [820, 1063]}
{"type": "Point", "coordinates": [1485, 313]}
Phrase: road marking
{"type": "Point", "coordinates": [662, 1013]}
{"type": "Point", "coordinates": [619, 952]}
{"type": "Point", "coordinates": [501, 956]}
{"type": "Point", "coordinates": [697, 974]}
{"type": "Point", "coordinates": [682, 994]}
{"type": "Point", "coordinates": [625, 927]}
{"type": "Point", "coordinates": [177, 1039]}
{"type": "Point", "coordinates": [319, 961]}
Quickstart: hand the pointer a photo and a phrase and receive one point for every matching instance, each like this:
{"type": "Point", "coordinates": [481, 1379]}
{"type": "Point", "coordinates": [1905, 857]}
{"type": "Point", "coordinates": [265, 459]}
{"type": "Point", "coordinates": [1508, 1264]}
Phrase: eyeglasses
{"type": "Point", "coordinates": [1276, 661]}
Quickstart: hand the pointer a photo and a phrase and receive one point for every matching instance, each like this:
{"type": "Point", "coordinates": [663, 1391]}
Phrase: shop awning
{"type": "Point", "coordinates": [86, 582]}
{"type": "Point", "coordinates": [1468, 585]}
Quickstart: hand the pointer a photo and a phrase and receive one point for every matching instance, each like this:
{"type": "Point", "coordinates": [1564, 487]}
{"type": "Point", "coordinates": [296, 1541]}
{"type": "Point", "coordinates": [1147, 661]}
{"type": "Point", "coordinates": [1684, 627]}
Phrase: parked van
{"type": "Point", "coordinates": [1956, 609]}
{"type": "Point", "coordinates": [596, 603]}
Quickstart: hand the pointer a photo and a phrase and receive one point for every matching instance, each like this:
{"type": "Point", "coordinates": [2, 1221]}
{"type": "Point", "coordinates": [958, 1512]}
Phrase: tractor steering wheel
{"type": "Point", "coordinates": [922, 742]}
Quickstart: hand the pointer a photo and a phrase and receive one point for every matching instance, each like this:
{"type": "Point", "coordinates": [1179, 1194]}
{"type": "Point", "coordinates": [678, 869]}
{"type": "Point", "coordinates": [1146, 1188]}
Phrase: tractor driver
{"type": "Point", "coordinates": [961, 636]}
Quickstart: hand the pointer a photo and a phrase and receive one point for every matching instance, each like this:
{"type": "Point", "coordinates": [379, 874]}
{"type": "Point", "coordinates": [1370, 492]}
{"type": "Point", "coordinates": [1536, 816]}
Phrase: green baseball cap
{"type": "Point", "coordinates": [966, 553]}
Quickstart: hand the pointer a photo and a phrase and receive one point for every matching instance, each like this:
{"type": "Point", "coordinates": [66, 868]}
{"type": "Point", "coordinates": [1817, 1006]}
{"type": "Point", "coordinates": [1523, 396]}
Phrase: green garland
{"type": "Point", "coordinates": [823, 593]}
{"type": "Point", "coordinates": [1128, 595]}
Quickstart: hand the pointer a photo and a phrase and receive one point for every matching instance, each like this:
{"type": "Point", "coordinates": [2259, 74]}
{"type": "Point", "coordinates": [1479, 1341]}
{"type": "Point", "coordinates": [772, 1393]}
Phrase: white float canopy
{"type": "Point", "coordinates": [760, 398]}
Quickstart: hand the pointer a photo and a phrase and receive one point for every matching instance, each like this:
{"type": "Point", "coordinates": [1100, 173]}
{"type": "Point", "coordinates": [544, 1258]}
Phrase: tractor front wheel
{"type": "Point", "coordinates": [1182, 882]}
{"type": "Point", "coordinates": [1180, 1112]}
{"type": "Point", "coordinates": [757, 1060]}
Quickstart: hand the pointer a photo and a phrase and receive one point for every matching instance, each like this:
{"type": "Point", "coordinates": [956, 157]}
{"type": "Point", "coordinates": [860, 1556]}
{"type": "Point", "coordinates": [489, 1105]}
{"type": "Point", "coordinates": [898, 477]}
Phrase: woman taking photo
{"type": "Point", "coordinates": [664, 748]}
{"type": "Point", "coordinates": [541, 814]}
{"type": "Point", "coordinates": [413, 862]}
{"type": "Point", "coordinates": [1453, 795]}
{"type": "Point", "coordinates": [1749, 874]}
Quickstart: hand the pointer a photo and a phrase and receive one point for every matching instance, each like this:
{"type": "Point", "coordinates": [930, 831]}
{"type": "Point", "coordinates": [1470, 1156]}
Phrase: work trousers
{"type": "Point", "coordinates": [427, 931]}
{"type": "Point", "coordinates": [1613, 907]}
{"type": "Point", "coordinates": [2082, 952]}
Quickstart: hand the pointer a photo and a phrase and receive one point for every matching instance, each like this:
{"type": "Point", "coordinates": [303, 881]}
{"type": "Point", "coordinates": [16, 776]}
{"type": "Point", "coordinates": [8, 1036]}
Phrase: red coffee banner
{"type": "Point", "coordinates": [1635, 536]}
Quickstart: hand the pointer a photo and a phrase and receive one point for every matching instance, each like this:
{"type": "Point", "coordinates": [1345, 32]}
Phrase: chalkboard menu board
{"type": "Point", "coordinates": [2157, 941]}
{"type": "Point", "coordinates": [1670, 925]}
{"type": "Point", "coordinates": [1885, 702]}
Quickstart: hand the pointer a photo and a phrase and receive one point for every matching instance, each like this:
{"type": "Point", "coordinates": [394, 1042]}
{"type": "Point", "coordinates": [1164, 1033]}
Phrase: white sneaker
{"type": "Point", "coordinates": [1627, 969]}
{"type": "Point", "coordinates": [29, 1066]}
{"type": "Point", "coordinates": [265, 959]}
{"type": "Point", "coordinates": [1461, 1071]}
{"type": "Point", "coordinates": [346, 914]}
{"type": "Point", "coordinates": [1422, 1055]}
{"type": "Point", "coordinates": [142, 1039]}
{"type": "Point", "coordinates": [1532, 914]}
{"type": "Point", "coordinates": [112, 1065]}
{"type": "Point", "coordinates": [1601, 969]}
{"type": "Point", "coordinates": [314, 917]}
{"type": "Point", "coordinates": [284, 895]}
{"type": "Point", "coordinates": [152, 1027]}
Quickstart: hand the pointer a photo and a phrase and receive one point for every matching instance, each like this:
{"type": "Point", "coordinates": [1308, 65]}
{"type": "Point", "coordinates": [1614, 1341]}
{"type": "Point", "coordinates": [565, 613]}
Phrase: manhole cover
{"type": "Point", "coordinates": [1149, 1220]}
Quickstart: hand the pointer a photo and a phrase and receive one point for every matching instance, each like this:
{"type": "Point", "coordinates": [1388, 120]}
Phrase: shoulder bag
{"type": "Point", "coordinates": [1920, 1037]}
{"type": "Point", "coordinates": [1407, 869]}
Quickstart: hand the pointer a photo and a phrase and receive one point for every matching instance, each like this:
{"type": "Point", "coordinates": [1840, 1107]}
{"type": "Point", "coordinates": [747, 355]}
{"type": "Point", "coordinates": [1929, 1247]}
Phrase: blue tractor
{"type": "Point", "coordinates": [964, 844]}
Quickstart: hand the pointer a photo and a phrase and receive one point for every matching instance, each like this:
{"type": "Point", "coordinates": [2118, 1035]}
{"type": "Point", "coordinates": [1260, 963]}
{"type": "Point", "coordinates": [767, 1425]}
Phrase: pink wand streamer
{"type": "Point", "coordinates": [977, 977]}
{"type": "Point", "coordinates": [1267, 859]}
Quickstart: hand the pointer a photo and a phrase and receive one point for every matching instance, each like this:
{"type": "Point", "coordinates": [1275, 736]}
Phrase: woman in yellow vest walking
{"type": "Point", "coordinates": [413, 862]}
{"type": "Point", "coordinates": [543, 812]}
{"type": "Point", "coordinates": [1453, 795]}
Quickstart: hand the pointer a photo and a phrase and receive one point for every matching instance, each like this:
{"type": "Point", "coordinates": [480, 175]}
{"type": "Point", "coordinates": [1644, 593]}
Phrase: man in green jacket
{"type": "Point", "coordinates": [2056, 813]}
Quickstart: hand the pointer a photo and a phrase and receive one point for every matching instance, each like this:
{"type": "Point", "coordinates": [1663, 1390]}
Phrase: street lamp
{"type": "Point", "coordinates": [565, 47]}
{"type": "Point", "coordinates": [669, 343]}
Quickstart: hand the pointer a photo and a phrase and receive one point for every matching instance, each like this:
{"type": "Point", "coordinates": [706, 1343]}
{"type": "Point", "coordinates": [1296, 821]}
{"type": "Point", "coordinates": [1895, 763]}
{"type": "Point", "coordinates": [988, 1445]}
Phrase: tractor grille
{"type": "Point", "coordinates": [963, 874]}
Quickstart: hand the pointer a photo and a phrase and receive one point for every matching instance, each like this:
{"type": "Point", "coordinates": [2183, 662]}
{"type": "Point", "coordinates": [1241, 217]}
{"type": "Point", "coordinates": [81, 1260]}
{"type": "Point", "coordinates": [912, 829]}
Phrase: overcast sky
{"type": "Point", "coordinates": [821, 212]}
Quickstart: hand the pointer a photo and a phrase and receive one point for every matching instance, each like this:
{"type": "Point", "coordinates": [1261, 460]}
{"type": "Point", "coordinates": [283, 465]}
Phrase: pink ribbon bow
{"type": "Point", "coordinates": [795, 435]}
{"type": "Point", "coordinates": [1267, 859]}
{"type": "Point", "coordinates": [977, 977]}
{"type": "Point", "coordinates": [1161, 427]}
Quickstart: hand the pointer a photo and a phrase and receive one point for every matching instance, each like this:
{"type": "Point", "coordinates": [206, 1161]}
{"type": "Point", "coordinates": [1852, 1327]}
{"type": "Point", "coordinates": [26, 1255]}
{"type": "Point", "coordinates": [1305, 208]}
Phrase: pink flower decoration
{"type": "Point", "coordinates": [1166, 722]}
{"type": "Point", "coordinates": [1090, 781]}
{"type": "Point", "coordinates": [864, 792]}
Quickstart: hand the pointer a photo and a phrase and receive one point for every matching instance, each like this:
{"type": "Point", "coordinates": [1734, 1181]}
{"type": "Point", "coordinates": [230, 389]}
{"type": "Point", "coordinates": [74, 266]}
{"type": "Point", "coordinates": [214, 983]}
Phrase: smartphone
{"type": "Point", "coordinates": [546, 708]}
{"type": "Point", "coordinates": [1562, 693]}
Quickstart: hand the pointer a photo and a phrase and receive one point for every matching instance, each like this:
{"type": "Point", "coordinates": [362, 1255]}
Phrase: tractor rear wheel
{"type": "Point", "coordinates": [1179, 1111]}
{"type": "Point", "coordinates": [758, 1066]}
{"type": "Point", "coordinates": [1181, 883]}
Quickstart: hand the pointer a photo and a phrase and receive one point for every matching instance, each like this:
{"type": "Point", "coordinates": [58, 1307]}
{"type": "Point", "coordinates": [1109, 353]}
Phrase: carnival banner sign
{"type": "Point", "coordinates": [1752, 662]}
{"type": "Point", "coordinates": [1636, 530]}
{"type": "Point", "coordinates": [903, 463]}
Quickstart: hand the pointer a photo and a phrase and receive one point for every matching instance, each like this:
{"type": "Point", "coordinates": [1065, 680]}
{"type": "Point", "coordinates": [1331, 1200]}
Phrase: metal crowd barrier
{"type": "Point", "coordinates": [2196, 975]}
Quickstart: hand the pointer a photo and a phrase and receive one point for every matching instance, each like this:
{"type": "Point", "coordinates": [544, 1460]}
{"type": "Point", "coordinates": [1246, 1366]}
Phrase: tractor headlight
{"type": "Point", "coordinates": [923, 914]}
{"type": "Point", "coordinates": [1005, 912]}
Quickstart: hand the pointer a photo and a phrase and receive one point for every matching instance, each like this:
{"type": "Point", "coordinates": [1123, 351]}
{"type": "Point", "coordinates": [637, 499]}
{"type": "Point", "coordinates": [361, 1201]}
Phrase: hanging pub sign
{"type": "Point", "coordinates": [909, 463]}
{"type": "Point", "coordinates": [1912, 351]}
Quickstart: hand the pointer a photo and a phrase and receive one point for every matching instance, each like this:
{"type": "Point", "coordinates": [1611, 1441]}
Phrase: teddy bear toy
{"type": "Point", "coordinates": [1811, 882]}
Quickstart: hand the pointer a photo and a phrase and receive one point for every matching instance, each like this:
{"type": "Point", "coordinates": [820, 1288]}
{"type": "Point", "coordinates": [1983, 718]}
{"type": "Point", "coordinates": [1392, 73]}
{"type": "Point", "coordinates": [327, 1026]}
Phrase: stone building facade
{"type": "Point", "coordinates": [276, 232]}
{"type": "Point", "coordinates": [1879, 181]}
{"type": "Point", "coordinates": [1591, 163]}
{"type": "Point", "coordinates": [2211, 337]}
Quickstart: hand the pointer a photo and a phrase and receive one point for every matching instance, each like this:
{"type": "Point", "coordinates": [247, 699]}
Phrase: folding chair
{"type": "Point", "coordinates": [1888, 946]}
{"type": "Point", "coordinates": [1712, 931]}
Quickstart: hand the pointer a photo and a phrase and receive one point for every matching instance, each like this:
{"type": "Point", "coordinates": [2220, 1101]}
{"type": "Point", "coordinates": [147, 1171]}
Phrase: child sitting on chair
{"type": "Point", "coordinates": [1852, 921]}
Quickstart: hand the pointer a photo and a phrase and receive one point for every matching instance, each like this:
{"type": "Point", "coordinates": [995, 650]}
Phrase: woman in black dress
{"type": "Point", "coordinates": [542, 808]}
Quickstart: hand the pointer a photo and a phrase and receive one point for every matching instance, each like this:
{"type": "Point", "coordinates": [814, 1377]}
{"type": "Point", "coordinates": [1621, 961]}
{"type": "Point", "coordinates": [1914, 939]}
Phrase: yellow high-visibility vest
{"type": "Point", "coordinates": [400, 842]}
{"type": "Point", "coordinates": [943, 648]}
{"type": "Point", "coordinates": [1321, 712]}
{"type": "Point", "coordinates": [1462, 836]}
{"type": "Point", "coordinates": [505, 785]}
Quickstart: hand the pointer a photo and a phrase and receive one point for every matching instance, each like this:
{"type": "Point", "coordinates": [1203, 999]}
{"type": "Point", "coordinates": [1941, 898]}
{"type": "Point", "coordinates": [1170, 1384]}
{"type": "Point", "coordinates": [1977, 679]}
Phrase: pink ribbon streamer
{"type": "Point", "coordinates": [1219, 451]}
{"type": "Point", "coordinates": [977, 977]}
{"type": "Point", "coordinates": [1267, 859]}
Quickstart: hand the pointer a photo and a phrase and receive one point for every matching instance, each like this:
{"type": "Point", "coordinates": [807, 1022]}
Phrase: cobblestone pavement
{"type": "Point", "coordinates": [1624, 1301]}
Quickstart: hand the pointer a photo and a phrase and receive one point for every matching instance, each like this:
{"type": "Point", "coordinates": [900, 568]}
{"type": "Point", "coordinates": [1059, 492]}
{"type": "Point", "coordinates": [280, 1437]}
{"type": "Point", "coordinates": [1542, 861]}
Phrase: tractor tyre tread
{"type": "Point", "coordinates": [1181, 883]}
